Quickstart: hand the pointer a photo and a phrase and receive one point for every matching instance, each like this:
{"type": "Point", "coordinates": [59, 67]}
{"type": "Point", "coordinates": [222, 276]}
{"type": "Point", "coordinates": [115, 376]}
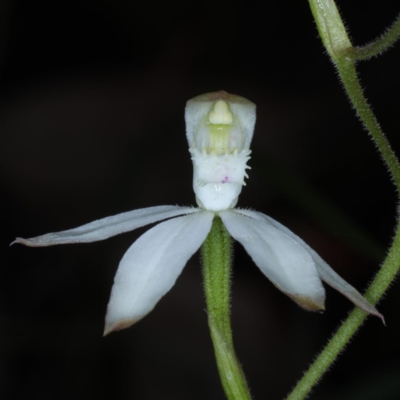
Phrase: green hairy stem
{"type": "Point", "coordinates": [344, 56]}
{"type": "Point", "coordinates": [217, 260]}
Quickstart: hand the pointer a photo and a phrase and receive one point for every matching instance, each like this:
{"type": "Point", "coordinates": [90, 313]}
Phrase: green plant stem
{"type": "Point", "coordinates": [381, 44]}
{"type": "Point", "coordinates": [216, 255]}
{"type": "Point", "coordinates": [337, 43]}
{"type": "Point", "coordinates": [349, 78]}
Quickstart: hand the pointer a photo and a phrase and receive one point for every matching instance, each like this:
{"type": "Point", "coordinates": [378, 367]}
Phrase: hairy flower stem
{"type": "Point", "coordinates": [344, 56]}
{"type": "Point", "coordinates": [348, 76]}
{"type": "Point", "coordinates": [216, 255]}
{"type": "Point", "coordinates": [380, 45]}
{"type": "Point", "coordinates": [390, 266]}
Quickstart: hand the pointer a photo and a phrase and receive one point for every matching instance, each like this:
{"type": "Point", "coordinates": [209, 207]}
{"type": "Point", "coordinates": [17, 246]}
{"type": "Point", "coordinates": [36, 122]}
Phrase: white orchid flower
{"type": "Point", "coordinates": [219, 130]}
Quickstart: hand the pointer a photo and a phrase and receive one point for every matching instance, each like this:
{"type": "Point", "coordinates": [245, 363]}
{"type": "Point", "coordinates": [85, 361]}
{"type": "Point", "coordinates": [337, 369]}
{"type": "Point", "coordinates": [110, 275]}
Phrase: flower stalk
{"type": "Point", "coordinates": [217, 260]}
{"type": "Point", "coordinates": [348, 76]}
{"type": "Point", "coordinates": [335, 39]}
{"type": "Point", "coordinates": [379, 46]}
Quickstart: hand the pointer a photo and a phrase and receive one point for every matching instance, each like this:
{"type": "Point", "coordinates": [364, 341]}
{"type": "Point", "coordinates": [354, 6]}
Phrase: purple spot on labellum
{"type": "Point", "coordinates": [225, 180]}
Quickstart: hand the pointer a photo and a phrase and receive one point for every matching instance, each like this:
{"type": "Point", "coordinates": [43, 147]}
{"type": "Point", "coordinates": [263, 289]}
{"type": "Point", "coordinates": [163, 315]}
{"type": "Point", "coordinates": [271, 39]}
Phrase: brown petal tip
{"type": "Point", "coordinates": [307, 303]}
{"type": "Point", "coordinates": [119, 325]}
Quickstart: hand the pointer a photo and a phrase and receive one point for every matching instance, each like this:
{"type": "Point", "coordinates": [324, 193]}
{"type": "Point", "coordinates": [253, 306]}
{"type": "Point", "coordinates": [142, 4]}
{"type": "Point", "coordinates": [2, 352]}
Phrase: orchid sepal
{"type": "Point", "coordinates": [107, 227]}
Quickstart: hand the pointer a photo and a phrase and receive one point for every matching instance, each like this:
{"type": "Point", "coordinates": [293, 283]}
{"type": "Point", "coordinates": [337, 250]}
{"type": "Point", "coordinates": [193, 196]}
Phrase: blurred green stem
{"type": "Point", "coordinates": [216, 254]}
{"type": "Point", "coordinates": [336, 41]}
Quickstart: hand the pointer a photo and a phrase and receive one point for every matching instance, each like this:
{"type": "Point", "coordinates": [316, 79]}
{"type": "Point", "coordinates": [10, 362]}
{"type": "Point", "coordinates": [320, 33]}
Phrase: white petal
{"type": "Point", "coordinates": [284, 261]}
{"type": "Point", "coordinates": [151, 266]}
{"type": "Point", "coordinates": [107, 227]}
{"type": "Point", "coordinates": [326, 273]}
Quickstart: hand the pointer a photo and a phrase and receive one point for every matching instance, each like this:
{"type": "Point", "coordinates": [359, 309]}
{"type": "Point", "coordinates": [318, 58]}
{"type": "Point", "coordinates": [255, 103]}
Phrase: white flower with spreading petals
{"type": "Point", "coordinates": [219, 131]}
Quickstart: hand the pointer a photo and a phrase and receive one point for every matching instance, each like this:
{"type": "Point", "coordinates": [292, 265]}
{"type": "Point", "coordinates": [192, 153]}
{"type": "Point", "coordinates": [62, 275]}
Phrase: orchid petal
{"type": "Point", "coordinates": [151, 266]}
{"type": "Point", "coordinates": [326, 273]}
{"type": "Point", "coordinates": [107, 227]}
{"type": "Point", "coordinates": [283, 260]}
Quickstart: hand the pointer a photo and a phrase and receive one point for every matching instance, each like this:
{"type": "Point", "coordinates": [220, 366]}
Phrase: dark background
{"type": "Point", "coordinates": [91, 124]}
